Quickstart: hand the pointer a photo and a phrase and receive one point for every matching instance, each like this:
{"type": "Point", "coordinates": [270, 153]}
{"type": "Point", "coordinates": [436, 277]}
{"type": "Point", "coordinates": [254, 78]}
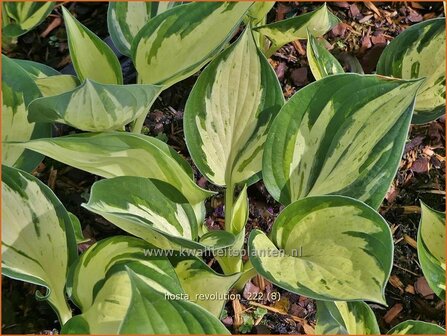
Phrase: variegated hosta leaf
{"type": "Point", "coordinates": [431, 248]}
{"type": "Point", "coordinates": [56, 85]}
{"type": "Point", "coordinates": [49, 81]}
{"type": "Point", "coordinates": [230, 259]}
{"type": "Point", "coordinates": [150, 312]}
{"type": "Point", "coordinates": [203, 285]}
{"type": "Point", "coordinates": [248, 272]}
{"type": "Point", "coordinates": [352, 260]}
{"type": "Point", "coordinates": [343, 134]}
{"type": "Point", "coordinates": [100, 285]}
{"type": "Point", "coordinates": [282, 32]}
{"type": "Point", "coordinates": [125, 20]}
{"type": "Point", "coordinates": [38, 242]}
{"type": "Point", "coordinates": [37, 70]}
{"type": "Point", "coordinates": [345, 318]}
{"type": "Point", "coordinates": [119, 154]}
{"type": "Point", "coordinates": [258, 12]}
{"type": "Point", "coordinates": [95, 107]}
{"type": "Point", "coordinates": [77, 228]}
{"type": "Point", "coordinates": [229, 112]}
{"type": "Point", "coordinates": [240, 212]}
{"type": "Point", "coordinates": [420, 52]}
{"type": "Point", "coordinates": [154, 211]}
{"type": "Point", "coordinates": [92, 58]}
{"type": "Point", "coordinates": [321, 61]}
{"type": "Point", "coordinates": [411, 327]}
{"type": "Point", "coordinates": [25, 16]}
{"type": "Point", "coordinates": [8, 42]}
{"type": "Point", "coordinates": [177, 43]}
{"type": "Point", "coordinates": [18, 90]}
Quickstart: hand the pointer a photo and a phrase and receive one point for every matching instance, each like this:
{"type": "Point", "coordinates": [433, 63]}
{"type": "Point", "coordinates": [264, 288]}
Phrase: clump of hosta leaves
{"type": "Point", "coordinates": [328, 155]}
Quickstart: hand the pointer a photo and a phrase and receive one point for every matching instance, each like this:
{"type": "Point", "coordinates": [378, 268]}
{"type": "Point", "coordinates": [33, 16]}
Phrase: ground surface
{"type": "Point", "coordinates": [364, 31]}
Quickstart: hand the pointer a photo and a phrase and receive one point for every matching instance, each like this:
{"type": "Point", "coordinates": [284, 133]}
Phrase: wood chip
{"type": "Point", "coordinates": [428, 151]}
{"type": "Point", "coordinates": [394, 227]}
{"type": "Point", "coordinates": [414, 16]}
{"type": "Point", "coordinates": [373, 7]}
{"type": "Point", "coordinates": [282, 304]}
{"type": "Point", "coordinates": [354, 11]}
{"type": "Point", "coordinates": [396, 283]}
{"type": "Point", "coordinates": [366, 42]}
{"type": "Point", "coordinates": [393, 313]}
{"type": "Point", "coordinates": [366, 18]}
{"type": "Point", "coordinates": [298, 47]}
{"type": "Point", "coordinates": [416, 5]}
{"type": "Point", "coordinates": [260, 282]}
{"type": "Point", "coordinates": [379, 39]}
{"type": "Point", "coordinates": [340, 29]}
{"type": "Point", "coordinates": [409, 289]}
{"type": "Point", "coordinates": [410, 241]}
{"type": "Point", "coordinates": [237, 308]}
{"type": "Point", "coordinates": [53, 25]}
{"type": "Point", "coordinates": [341, 4]}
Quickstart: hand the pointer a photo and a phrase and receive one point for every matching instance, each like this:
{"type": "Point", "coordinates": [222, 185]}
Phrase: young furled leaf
{"type": "Point", "coordinates": [282, 32]}
{"type": "Point", "coordinates": [321, 62]}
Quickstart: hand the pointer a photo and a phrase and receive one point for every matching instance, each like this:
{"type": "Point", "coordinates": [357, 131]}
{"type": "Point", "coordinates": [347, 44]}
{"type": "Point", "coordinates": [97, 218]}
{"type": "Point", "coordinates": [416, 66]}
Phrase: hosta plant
{"type": "Point", "coordinates": [328, 154]}
{"type": "Point", "coordinates": [419, 52]}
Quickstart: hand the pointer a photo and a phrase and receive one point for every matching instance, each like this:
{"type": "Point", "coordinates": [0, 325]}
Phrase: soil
{"type": "Point", "coordinates": [363, 33]}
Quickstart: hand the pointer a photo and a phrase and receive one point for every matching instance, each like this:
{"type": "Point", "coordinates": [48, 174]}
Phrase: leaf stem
{"type": "Point", "coordinates": [138, 124]}
{"type": "Point", "coordinates": [229, 202]}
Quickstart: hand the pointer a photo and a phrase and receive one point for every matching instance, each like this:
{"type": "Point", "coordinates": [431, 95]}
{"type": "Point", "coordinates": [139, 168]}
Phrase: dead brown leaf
{"type": "Point", "coordinates": [423, 289]}
{"type": "Point", "coordinates": [421, 165]}
{"type": "Point", "coordinates": [250, 291]}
